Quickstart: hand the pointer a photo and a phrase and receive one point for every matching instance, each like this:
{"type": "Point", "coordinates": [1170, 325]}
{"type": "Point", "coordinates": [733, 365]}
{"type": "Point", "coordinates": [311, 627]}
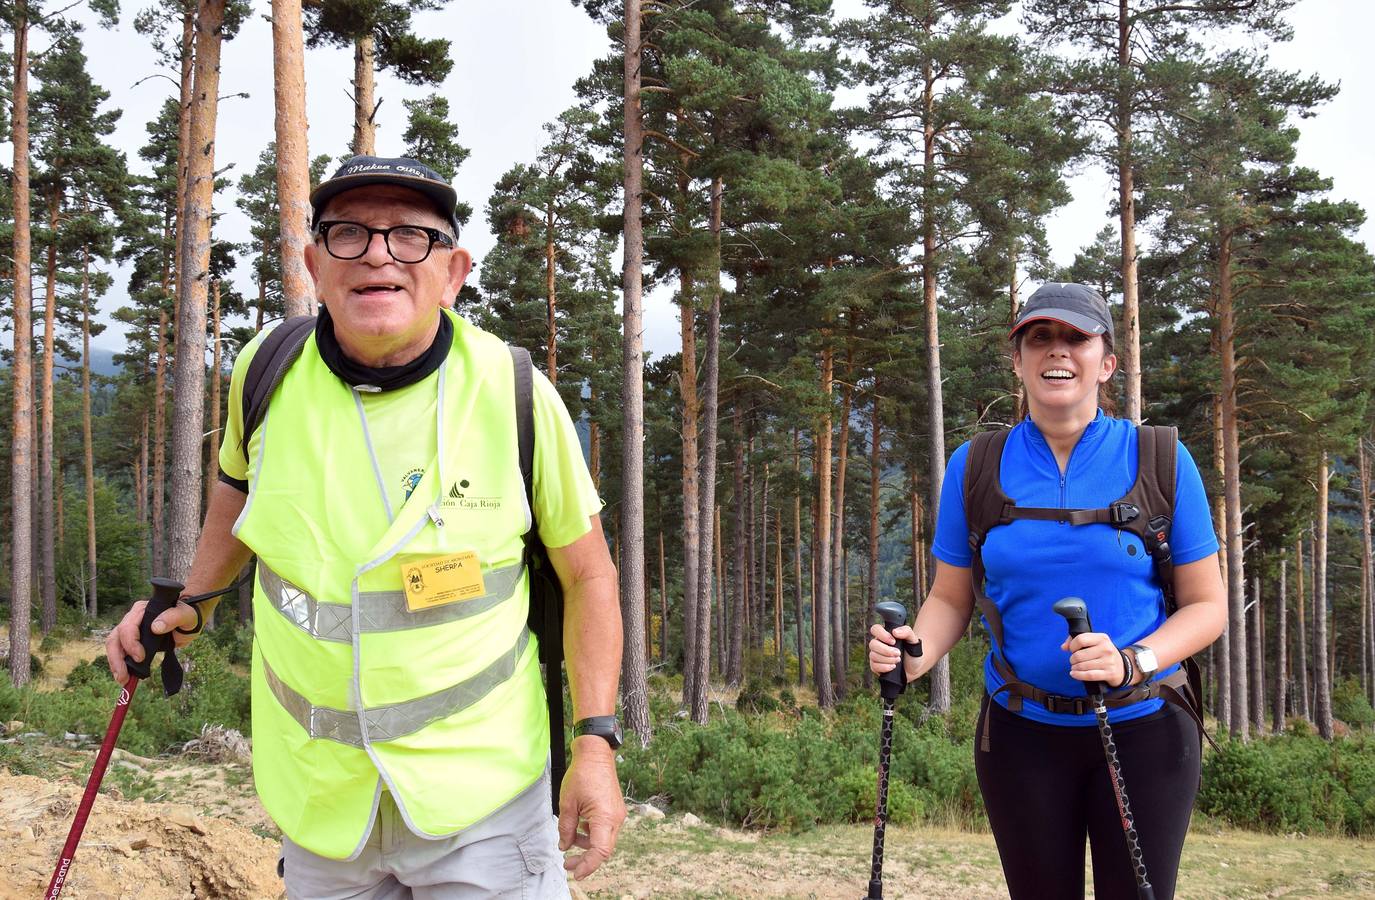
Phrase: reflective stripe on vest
{"type": "Point", "coordinates": [387, 723]}
{"type": "Point", "coordinates": [378, 611]}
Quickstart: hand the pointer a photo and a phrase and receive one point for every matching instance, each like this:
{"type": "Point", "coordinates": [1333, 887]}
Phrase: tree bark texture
{"type": "Point", "coordinates": [797, 562]}
{"type": "Point", "coordinates": [1231, 489]}
{"type": "Point", "coordinates": [735, 657]}
{"type": "Point", "coordinates": [1221, 650]}
{"type": "Point", "coordinates": [1303, 708]}
{"type": "Point", "coordinates": [364, 87]}
{"type": "Point", "coordinates": [687, 380]}
{"type": "Point", "coordinates": [1130, 348]}
{"type": "Point", "coordinates": [551, 297]}
{"type": "Point", "coordinates": [47, 506]}
{"type": "Point", "coordinates": [293, 156]}
{"type": "Point", "coordinates": [821, 553]}
{"type": "Point", "coordinates": [212, 458]}
{"type": "Point", "coordinates": [875, 471]}
{"type": "Point", "coordinates": [940, 672]}
{"type": "Point", "coordinates": [21, 462]}
{"type": "Point", "coordinates": [1322, 679]}
{"type": "Point", "coordinates": [159, 536]}
{"type": "Point", "coordinates": [707, 483]}
{"type": "Point", "coordinates": [839, 575]}
{"type": "Point", "coordinates": [1278, 699]}
{"type": "Point", "coordinates": [188, 399]}
{"type": "Point", "coordinates": [1367, 576]}
{"type": "Point", "coordinates": [634, 687]}
{"type": "Point", "coordinates": [87, 442]}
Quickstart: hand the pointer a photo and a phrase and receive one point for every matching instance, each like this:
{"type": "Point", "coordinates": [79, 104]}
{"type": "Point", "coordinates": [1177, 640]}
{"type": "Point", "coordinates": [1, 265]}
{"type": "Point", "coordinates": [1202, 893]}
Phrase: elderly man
{"type": "Point", "coordinates": [400, 738]}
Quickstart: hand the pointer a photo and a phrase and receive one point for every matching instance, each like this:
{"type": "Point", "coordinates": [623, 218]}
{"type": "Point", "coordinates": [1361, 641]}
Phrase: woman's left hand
{"type": "Point", "coordinates": [1094, 657]}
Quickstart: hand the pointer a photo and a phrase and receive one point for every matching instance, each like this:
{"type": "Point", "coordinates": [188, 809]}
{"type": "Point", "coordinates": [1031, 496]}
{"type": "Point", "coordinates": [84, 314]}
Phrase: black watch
{"type": "Point", "coordinates": [608, 727]}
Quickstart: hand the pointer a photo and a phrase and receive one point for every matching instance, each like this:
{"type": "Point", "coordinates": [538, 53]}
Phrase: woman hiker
{"type": "Point", "coordinates": [1040, 763]}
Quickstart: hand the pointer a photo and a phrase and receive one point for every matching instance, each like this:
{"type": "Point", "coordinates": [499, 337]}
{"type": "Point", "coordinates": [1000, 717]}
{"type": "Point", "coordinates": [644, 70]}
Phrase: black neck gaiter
{"type": "Point", "coordinates": [387, 378]}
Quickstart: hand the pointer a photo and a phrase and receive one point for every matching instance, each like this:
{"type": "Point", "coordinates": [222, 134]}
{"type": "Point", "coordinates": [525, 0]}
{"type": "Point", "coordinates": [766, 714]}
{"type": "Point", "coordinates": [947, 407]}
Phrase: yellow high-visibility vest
{"type": "Point", "coordinates": [354, 686]}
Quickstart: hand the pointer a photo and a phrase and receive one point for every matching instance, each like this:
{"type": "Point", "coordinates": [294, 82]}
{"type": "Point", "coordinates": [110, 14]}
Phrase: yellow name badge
{"type": "Point", "coordinates": [442, 579]}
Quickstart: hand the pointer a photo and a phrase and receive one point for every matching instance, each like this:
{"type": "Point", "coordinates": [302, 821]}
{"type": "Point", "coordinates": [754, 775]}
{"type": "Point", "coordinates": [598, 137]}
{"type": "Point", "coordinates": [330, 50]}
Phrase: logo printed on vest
{"type": "Point", "coordinates": [409, 481]}
{"type": "Point", "coordinates": [415, 580]}
{"type": "Point", "coordinates": [457, 498]}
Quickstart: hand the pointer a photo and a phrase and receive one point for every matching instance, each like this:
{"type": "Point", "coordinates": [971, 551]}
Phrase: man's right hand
{"type": "Point", "coordinates": [124, 640]}
{"type": "Point", "coordinates": [884, 654]}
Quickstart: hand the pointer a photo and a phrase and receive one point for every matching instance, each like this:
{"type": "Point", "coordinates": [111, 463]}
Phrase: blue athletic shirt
{"type": "Point", "coordinates": [1030, 564]}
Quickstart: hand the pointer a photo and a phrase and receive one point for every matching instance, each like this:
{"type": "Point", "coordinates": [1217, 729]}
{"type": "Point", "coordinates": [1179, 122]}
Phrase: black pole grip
{"type": "Point", "coordinates": [891, 684]}
{"type": "Point", "coordinates": [166, 592]}
{"type": "Point", "coordinates": [1076, 613]}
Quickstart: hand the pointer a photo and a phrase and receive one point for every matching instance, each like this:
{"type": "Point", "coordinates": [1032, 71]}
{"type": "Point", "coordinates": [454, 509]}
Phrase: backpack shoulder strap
{"type": "Point", "coordinates": [546, 596]}
{"type": "Point", "coordinates": [278, 351]}
{"type": "Point", "coordinates": [985, 505]}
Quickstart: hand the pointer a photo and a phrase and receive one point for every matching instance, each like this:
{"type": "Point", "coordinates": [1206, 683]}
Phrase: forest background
{"type": "Point", "coordinates": [843, 208]}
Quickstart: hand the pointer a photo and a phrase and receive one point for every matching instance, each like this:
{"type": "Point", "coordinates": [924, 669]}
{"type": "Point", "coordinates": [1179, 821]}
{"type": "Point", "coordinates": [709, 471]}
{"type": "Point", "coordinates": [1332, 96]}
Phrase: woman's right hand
{"type": "Point", "coordinates": [884, 654]}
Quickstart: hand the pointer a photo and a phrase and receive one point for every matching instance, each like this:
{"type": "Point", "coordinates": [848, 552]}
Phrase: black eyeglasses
{"type": "Point", "coordinates": [405, 243]}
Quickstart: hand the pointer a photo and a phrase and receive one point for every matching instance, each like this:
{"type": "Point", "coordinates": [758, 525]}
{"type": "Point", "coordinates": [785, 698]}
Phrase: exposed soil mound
{"type": "Point", "coordinates": [155, 851]}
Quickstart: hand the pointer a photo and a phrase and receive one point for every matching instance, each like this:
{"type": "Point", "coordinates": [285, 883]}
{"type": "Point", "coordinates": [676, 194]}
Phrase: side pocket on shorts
{"type": "Point", "coordinates": [543, 877]}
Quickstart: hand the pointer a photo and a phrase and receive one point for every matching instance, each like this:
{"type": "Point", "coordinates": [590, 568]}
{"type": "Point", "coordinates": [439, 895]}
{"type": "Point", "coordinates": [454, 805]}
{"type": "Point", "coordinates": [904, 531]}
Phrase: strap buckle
{"type": "Point", "coordinates": [1062, 705]}
{"type": "Point", "coordinates": [1120, 514]}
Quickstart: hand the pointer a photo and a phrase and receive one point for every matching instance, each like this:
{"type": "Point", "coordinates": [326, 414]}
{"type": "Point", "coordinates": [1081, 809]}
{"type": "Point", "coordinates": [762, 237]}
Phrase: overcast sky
{"type": "Point", "coordinates": [514, 68]}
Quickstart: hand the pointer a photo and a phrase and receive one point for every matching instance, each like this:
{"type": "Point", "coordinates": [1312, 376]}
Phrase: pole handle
{"type": "Point", "coordinates": [1076, 613]}
{"type": "Point", "coordinates": [891, 684]}
{"type": "Point", "coordinates": [165, 595]}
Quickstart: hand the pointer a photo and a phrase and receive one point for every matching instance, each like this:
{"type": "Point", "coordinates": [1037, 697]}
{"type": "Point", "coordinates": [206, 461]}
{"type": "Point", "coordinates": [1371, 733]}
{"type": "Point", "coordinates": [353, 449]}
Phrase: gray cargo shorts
{"type": "Point", "coordinates": [512, 853]}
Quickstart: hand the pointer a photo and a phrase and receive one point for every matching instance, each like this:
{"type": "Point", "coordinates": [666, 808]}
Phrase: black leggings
{"type": "Point", "coordinates": [1046, 786]}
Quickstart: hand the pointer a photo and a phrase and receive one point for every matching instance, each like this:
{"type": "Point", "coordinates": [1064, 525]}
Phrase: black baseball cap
{"type": "Point", "coordinates": [1076, 305]}
{"type": "Point", "coordinates": [361, 171]}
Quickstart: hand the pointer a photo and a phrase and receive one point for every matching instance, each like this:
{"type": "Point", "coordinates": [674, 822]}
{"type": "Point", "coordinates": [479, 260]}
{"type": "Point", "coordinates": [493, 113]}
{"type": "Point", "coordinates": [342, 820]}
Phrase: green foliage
{"type": "Point", "coordinates": [1350, 704]}
{"type": "Point", "coordinates": [119, 550]}
{"type": "Point", "coordinates": [1293, 783]}
{"type": "Point", "coordinates": [798, 769]}
{"type": "Point", "coordinates": [211, 694]}
{"type": "Point", "coordinates": [236, 641]}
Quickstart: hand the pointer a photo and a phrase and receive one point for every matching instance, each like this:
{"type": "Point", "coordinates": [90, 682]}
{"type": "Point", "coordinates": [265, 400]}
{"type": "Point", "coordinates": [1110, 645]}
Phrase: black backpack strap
{"type": "Point", "coordinates": [546, 595]}
{"type": "Point", "coordinates": [985, 505]}
{"type": "Point", "coordinates": [275, 355]}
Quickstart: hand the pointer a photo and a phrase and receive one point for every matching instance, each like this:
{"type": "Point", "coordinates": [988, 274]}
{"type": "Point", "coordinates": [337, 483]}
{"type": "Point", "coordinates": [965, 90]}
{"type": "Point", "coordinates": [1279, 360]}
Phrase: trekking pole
{"type": "Point", "coordinates": [165, 594]}
{"type": "Point", "coordinates": [1076, 613]}
{"type": "Point", "coordinates": [891, 684]}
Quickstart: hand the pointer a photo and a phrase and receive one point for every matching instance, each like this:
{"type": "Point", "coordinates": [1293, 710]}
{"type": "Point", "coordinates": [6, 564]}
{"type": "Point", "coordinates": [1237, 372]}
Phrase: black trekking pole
{"type": "Point", "coordinates": [1076, 613]}
{"type": "Point", "coordinates": [891, 684]}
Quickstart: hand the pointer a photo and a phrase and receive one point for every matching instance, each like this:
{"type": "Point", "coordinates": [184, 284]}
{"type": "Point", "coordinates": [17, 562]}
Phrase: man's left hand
{"type": "Point", "coordinates": [591, 807]}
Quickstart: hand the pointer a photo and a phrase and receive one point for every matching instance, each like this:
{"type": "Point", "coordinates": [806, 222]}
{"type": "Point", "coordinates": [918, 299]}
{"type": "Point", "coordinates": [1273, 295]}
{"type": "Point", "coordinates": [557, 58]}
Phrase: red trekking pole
{"type": "Point", "coordinates": [165, 594]}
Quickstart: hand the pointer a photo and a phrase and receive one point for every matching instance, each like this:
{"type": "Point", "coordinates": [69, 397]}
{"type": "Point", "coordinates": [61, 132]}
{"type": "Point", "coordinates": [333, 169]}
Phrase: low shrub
{"type": "Point", "coordinates": [1350, 704]}
{"type": "Point", "coordinates": [1292, 782]}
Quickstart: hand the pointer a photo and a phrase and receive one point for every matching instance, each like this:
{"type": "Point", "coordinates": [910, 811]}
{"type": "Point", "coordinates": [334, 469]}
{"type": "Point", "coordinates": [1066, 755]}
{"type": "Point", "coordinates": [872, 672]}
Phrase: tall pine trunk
{"type": "Point", "coordinates": [797, 562]}
{"type": "Point", "coordinates": [687, 383]}
{"type": "Point", "coordinates": [551, 297]}
{"type": "Point", "coordinates": [364, 86]}
{"type": "Point", "coordinates": [634, 665]}
{"type": "Point", "coordinates": [876, 436]}
{"type": "Point", "coordinates": [1322, 711]}
{"type": "Point", "coordinates": [821, 552]}
{"type": "Point", "coordinates": [1231, 488]}
{"type": "Point", "coordinates": [1126, 206]}
{"type": "Point", "coordinates": [159, 535]}
{"type": "Point", "coordinates": [1302, 708]}
{"type": "Point", "coordinates": [707, 483]}
{"type": "Point", "coordinates": [212, 463]}
{"type": "Point", "coordinates": [1367, 577]}
{"type": "Point", "coordinates": [734, 659]}
{"type": "Point", "coordinates": [293, 158]}
{"type": "Point", "coordinates": [1220, 650]}
{"type": "Point", "coordinates": [1281, 651]}
{"type": "Point", "coordinates": [47, 507]}
{"type": "Point", "coordinates": [87, 442]}
{"type": "Point", "coordinates": [1256, 654]}
{"type": "Point", "coordinates": [188, 409]}
{"type": "Point", "coordinates": [778, 595]}
{"type": "Point", "coordinates": [839, 575]}
{"type": "Point", "coordinates": [21, 460]}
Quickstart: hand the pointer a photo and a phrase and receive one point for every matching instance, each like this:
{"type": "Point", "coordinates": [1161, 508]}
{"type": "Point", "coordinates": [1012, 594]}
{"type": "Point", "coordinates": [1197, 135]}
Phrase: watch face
{"type": "Point", "coordinates": [1145, 659]}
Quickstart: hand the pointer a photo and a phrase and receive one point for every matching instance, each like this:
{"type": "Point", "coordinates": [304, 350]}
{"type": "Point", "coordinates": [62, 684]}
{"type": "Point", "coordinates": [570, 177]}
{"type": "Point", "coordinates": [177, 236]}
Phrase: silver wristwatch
{"type": "Point", "coordinates": [1145, 660]}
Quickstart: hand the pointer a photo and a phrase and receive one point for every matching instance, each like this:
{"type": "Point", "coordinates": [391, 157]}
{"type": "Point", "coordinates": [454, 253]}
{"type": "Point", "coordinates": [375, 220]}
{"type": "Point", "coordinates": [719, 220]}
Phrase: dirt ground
{"type": "Point", "coordinates": [153, 851]}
